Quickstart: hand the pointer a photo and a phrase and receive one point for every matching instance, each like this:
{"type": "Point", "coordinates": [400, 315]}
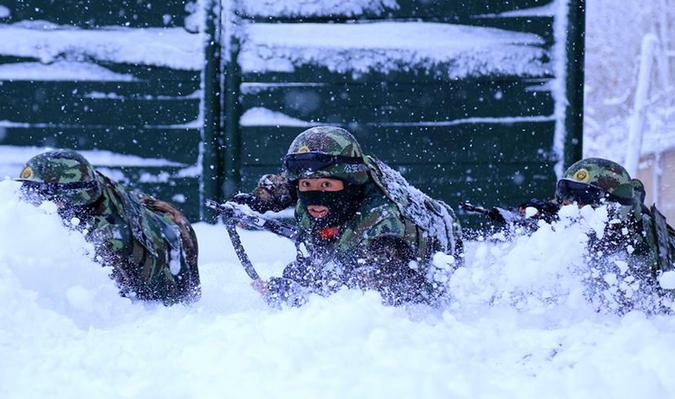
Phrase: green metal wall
{"type": "Point", "coordinates": [152, 115]}
{"type": "Point", "coordinates": [418, 120]}
{"type": "Point", "coordinates": [412, 118]}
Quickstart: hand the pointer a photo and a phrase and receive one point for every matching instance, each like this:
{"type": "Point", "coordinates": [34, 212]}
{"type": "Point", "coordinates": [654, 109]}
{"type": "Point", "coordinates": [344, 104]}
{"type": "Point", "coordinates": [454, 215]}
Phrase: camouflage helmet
{"type": "Point", "coordinates": [591, 180]}
{"type": "Point", "coordinates": [62, 174]}
{"type": "Point", "coordinates": [326, 151]}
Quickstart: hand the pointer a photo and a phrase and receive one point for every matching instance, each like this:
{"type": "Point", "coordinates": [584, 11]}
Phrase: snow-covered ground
{"type": "Point", "coordinates": [518, 327]}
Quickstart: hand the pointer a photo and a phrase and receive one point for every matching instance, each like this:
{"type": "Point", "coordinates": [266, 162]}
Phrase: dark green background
{"type": "Point", "coordinates": [489, 163]}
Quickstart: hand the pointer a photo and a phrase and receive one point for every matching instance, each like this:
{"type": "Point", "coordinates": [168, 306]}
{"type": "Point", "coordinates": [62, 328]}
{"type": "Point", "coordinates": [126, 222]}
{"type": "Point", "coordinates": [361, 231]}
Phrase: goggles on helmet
{"type": "Point", "coordinates": [586, 194]}
{"type": "Point", "coordinates": [313, 161]}
{"type": "Point", "coordinates": [54, 190]}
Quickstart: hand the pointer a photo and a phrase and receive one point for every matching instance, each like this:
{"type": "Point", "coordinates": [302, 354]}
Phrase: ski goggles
{"type": "Point", "coordinates": [586, 194]}
{"type": "Point", "coordinates": [54, 190]}
{"type": "Point", "coordinates": [313, 161]}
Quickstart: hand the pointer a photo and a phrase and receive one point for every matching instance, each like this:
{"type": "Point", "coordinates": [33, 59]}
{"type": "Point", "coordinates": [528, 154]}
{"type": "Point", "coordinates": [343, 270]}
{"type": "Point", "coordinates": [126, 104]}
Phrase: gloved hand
{"type": "Point", "coordinates": [273, 193]}
{"type": "Point", "coordinates": [547, 210]}
{"type": "Point", "coordinates": [278, 290]}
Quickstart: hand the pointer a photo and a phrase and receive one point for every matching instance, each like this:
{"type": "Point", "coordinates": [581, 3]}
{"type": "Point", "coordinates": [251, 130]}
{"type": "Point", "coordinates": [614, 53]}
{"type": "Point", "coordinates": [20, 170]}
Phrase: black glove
{"type": "Point", "coordinates": [273, 193]}
{"type": "Point", "coordinates": [246, 199]}
{"type": "Point", "coordinates": [548, 210]}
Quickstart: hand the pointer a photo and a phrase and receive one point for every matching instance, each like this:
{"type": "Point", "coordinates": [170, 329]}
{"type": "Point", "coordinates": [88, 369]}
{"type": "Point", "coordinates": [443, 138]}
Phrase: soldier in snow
{"type": "Point", "coordinates": [637, 246]}
{"type": "Point", "coordinates": [149, 244]}
{"type": "Point", "coordinates": [361, 224]}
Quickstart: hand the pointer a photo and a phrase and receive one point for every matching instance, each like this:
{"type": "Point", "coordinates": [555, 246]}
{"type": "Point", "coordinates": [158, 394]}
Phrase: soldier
{"type": "Point", "coordinates": [149, 244]}
{"type": "Point", "coordinates": [362, 225]}
{"type": "Point", "coordinates": [637, 245]}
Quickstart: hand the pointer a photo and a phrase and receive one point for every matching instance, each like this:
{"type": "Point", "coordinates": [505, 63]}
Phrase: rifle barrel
{"type": "Point", "coordinates": [238, 214]}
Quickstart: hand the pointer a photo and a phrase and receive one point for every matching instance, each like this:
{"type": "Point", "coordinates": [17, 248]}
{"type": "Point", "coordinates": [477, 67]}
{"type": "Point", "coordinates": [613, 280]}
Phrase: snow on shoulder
{"type": "Point", "coordinates": [456, 50]}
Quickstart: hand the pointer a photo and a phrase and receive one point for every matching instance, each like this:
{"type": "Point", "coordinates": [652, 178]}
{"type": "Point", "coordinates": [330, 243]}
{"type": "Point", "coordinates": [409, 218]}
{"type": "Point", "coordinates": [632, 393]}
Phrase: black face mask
{"type": "Point", "coordinates": [342, 205]}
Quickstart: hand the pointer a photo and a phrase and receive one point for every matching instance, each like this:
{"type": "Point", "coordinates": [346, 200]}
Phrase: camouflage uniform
{"type": "Point", "coordinates": [388, 242]}
{"type": "Point", "coordinates": [632, 234]}
{"type": "Point", "coordinates": [149, 244]}
{"type": "Point", "coordinates": [635, 227]}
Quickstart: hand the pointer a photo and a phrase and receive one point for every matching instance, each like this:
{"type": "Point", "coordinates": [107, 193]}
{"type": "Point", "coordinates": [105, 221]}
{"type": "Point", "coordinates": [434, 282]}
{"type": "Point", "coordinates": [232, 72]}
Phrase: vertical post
{"type": "Point", "coordinates": [635, 131]}
{"type": "Point", "coordinates": [232, 90]}
{"type": "Point", "coordinates": [574, 113]}
{"type": "Point", "coordinates": [211, 111]}
{"type": "Point", "coordinates": [664, 38]}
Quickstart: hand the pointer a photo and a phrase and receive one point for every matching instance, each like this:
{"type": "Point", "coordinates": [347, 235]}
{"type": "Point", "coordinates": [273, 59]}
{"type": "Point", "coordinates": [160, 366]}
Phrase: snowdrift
{"type": "Point", "coordinates": [518, 327]}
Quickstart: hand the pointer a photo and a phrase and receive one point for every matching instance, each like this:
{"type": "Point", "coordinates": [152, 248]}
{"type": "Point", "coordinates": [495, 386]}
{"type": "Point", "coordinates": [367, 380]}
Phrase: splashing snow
{"type": "Point", "coordinates": [518, 328]}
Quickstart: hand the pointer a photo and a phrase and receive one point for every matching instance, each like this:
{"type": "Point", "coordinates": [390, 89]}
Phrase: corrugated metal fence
{"type": "Point", "coordinates": [476, 100]}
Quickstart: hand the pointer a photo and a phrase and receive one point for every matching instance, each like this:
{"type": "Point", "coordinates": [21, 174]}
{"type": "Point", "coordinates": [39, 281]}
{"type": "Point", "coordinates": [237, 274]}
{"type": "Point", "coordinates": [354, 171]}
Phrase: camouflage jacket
{"type": "Point", "coordinates": [633, 231]}
{"type": "Point", "coordinates": [385, 247]}
{"type": "Point", "coordinates": [149, 244]}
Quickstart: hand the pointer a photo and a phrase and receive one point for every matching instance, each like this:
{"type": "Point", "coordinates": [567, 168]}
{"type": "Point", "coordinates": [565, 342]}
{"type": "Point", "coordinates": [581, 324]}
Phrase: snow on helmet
{"type": "Point", "coordinates": [61, 175]}
{"type": "Point", "coordinates": [326, 151]}
{"type": "Point", "coordinates": [592, 180]}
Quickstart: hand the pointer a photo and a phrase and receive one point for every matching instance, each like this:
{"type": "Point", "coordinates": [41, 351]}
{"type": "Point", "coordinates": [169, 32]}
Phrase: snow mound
{"type": "Point", "coordinates": [61, 70]}
{"type": "Point", "coordinates": [47, 270]}
{"type": "Point", "coordinates": [166, 47]}
{"type": "Point", "coordinates": [456, 50]}
{"type": "Point", "coordinates": [65, 333]}
{"type": "Point", "coordinates": [260, 116]}
{"type": "Point", "coordinates": [4, 12]}
{"type": "Point", "coordinates": [315, 8]}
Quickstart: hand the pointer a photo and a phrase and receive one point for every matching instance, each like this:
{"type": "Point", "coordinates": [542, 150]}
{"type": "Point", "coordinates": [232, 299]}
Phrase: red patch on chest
{"type": "Point", "coordinates": [329, 233]}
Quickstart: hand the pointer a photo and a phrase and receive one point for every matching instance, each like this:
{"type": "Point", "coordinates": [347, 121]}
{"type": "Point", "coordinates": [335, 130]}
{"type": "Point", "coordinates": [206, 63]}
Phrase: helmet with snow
{"type": "Point", "coordinates": [328, 152]}
{"type": "Point", "coordinates": [593, 181]}
{"type": "Point", "coordinates": [62, 175]}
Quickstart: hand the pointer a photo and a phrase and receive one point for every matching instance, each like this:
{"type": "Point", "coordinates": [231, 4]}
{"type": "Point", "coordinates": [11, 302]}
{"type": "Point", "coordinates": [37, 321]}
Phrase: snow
{"type": "Point", "coordinates": [612, 73]}
{"type": "Point", "coordinates": [315, 8]}
{"type": "Point", "coordinates": [461, 121]}
{"type": "Point", "coordinates": [549, 10]}
{"type": "Point", "coordinates": [459, 51]}
{"type": "Point", "coordinates": [14, 157]}
{"type": "Point", "coordinates": [667, 280]}
{"type": "Point", "coordinates": [518, 327]}
{"type": "Point", "coordinates": [4, 12]}
{"type": "Point", "coordinates": [61, 70]}
{"type": "Point", "coordinates": [165, 47]}
{"type": "Point", "coordinates": [259, 116]}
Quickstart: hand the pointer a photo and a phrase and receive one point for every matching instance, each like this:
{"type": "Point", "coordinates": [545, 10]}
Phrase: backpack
{"type": "Point", "coordinates": [434, 217]}
{"type": "Point", "coordinates": [665, 240]}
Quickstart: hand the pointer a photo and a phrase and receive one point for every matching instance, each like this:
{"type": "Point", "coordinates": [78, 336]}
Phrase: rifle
{"type": "Point", "coordinates": [236, 214]}
{"type": "Point", "coordinates": [512, 216]}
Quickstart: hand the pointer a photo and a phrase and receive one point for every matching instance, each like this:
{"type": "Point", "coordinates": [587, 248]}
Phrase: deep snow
{"type": "Point", "coordinates": [518, 327]}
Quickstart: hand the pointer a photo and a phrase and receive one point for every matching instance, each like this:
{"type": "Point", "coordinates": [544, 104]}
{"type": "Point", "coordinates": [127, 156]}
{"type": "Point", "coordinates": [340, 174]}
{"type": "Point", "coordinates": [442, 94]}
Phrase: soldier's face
{"type": "Point", "coordinates": [320, 184]}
